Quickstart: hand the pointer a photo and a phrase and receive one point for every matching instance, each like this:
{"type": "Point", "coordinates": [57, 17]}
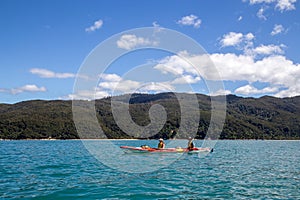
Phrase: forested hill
{"type": "Point", "coordinates": [247, 118]}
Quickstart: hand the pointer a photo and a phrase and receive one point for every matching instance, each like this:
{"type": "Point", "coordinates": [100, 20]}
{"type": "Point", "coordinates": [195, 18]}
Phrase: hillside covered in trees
{"type": "Point", "coordinates": [246, 118]}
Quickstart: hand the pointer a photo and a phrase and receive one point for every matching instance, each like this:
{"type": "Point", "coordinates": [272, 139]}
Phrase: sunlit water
{"type": "Point", "coordinates": [67, 170]}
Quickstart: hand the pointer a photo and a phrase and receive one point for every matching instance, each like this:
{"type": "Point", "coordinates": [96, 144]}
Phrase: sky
{"type": "Point", "coordinates": [253, 45]}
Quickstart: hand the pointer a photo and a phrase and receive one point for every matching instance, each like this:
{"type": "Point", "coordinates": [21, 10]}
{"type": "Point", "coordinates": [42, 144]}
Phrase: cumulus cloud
{"type": "Point", "coordinates": [239, 40]}
{"type": "Point", "coordinates": [115, 83]}
{"type": "Point", "coordinates": [269, 49]}
{"type": "Point", "coordinates": [186, 79]}
{"type": "Point", "coordinates": [107, 84]}
{"type": "Point", "coordinates": [157, 27]}
{"type": "Point", "coordinates": [245, 42]}
{"type": "Point", "coordinates": [87, 95]}
{"type": "Point", "coordinates": [156, 87]}
{"type": "Point", "coordinates": [123, 86]}
{"type": "Point", "coordinates": [28, 88]}
{"type": "Point", "coordinates": [231, 39]}
{"type": "Point", "coordinates": [155, 24]}
{"type": "Point", "coordinates": [25, 88]}
{"type": "Point", "coordinates": [290, 92]}
{"type": "Point", "coordinates": [260, 1]}
{"type": "Point", "coordinates": [280, 73]}
{"type": "Point", "coordinates": [45, 73]}
{"type": "Point", "coordinates": [281, 5]}
{"type": "Point", "coordinates": [260, 14]}
{"type": "Point", "coordinates": [284, 5]}
{"type": "Point", "coordinates": [220, 92]}
{"type": "Point", "coordinates": [176, 64]}
{"type": "Point", "coordinates": [275, 70]}
{"type": "Point", "coordinates": [107, 89]}
{"type": "Point", "coordinates": [97, 25]}
{"type": "Point", "coordinates": [190, 20]}
{"type": "Point", "coordinates": [250, 90]}
{"type": "Point", "coordinates": [130, 41]}
{"type": "Point", "coordinates": [110, 77]}
{"type": "Point", "coordinates": [278, 28]}
{"type": "Point", "coordinates": [249, 36]}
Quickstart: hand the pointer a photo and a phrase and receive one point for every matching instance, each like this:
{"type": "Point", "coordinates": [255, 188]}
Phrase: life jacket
{"type": "Point", "coordinates": [190, 145]}
{"type": "Point", "coordinates": [161, 145]}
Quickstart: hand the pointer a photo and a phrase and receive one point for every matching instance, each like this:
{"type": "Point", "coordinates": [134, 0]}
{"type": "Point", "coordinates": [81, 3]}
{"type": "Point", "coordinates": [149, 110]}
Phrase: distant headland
{"type": "Point", "coordinates": [246, 118]}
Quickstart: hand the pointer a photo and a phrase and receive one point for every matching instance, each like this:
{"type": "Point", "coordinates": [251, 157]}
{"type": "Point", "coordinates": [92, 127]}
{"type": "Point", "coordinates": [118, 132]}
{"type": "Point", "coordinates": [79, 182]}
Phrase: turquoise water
{"type": "Point", "coordinates": [67, 170]}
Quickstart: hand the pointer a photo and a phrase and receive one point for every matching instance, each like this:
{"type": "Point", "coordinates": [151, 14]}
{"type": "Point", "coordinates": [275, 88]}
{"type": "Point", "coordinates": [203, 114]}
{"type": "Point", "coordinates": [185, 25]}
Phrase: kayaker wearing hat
{"type": "Point", "coordinates": [190, 144]}
{"type": "Point", "coordinates": [161, 144]}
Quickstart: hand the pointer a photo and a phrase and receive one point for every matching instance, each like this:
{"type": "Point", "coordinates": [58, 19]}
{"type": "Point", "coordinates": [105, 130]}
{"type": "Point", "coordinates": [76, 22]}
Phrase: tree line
{"type": "Point", "coordinates": [246, 118]}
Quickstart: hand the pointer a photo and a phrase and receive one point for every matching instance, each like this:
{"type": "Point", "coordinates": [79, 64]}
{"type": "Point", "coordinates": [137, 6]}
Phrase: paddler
{"type": "Point", "coordinates": [161, 144]}
{"type": "Point", "coordinates": [190, 144]}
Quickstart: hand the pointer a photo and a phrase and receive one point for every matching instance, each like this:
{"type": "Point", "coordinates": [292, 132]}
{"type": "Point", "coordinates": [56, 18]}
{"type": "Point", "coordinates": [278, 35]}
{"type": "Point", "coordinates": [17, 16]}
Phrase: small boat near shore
{"type": "Point", "coordinates": [147, 149]}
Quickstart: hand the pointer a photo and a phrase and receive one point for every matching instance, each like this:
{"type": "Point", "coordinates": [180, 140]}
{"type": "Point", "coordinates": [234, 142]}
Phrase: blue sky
{"type": "Point", "coordinates": [254, 44]}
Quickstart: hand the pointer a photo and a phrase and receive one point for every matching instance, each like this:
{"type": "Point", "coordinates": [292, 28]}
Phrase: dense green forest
{"type": "Point", "coordinates": [246, 118]}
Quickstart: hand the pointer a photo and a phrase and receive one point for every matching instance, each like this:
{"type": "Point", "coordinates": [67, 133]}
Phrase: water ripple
{"type": "Point", "coordinates": [235, 170]}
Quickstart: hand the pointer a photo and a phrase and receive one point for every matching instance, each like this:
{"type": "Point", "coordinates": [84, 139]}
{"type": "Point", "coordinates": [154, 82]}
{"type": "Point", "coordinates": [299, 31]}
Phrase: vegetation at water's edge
{"type": "Point", "coordinates": [246, 118]}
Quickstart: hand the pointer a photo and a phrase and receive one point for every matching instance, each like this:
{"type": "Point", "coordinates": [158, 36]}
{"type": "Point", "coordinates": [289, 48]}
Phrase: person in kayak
{"type": "Point", "coordinates": [190, 144]}
{"type": "Point", "coordinates": [161, 144]}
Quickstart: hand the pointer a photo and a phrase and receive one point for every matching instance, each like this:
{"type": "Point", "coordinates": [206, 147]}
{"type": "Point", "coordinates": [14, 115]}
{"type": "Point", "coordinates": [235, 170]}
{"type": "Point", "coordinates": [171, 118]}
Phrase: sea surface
{"type": "Point", "coordinates": [71, 170]}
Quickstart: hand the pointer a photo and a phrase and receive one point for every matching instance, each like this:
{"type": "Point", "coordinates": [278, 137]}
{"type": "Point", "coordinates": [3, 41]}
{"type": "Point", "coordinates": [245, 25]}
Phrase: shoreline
{"type": "Point", "coordinates": [53, 139]}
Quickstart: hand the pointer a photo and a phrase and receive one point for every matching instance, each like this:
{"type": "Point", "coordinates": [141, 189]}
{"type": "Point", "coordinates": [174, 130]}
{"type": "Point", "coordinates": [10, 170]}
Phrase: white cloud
{"type": "Point", "coordinates": [250, 90]}
{"type": "Point", "coordinates": [231, 39]}
{"type": "Point", "coordinates": [237, 39]}
{"type": "Point", "coordinates": [260, 14]}
{"type": "Point", "coordinates": [185, 66]}
{"type": "Point", "coordinates": [261, 1]}
{"type": "Point", "coordinates": [245, 43]}
{"type": "Point", "coordinates": [243, 67]}
{"type": "Point", "coordinates": [130, 41]}
{"type": "Point", "coordinates": [269, 49]}
{"type": "Point", "coordinates": [107, 88]}
{"type": "Point", "coordinates": [249, 36]}
{"type": "Point", "coordinates": [186, 79]}
{"type": "Point", "coordinates": [97, 24]}
{"type": "Point", "coordinates": [123, 86]}
{"type": "Point", "coordinates": [157, 27]}
{"type": "Point", "coordinates": [87, 95]}
{"type": "Point", "coordinates": [220, 92]}
{"type": "Point", "coordinates": [290, 92]}
{"type": "Point", "coordinates": [115, 83]}
{"type": "Point", "coordinates": [278, 28]}
{"type": "Point", "coordinates": [275, 70]}
{"type": "Point", "coordinates": [155, 24]}
{"type": "Point", "coordinates": [156, 87]}
{"type": "Point", "coordinates": [44, 73]}
{"type": "Point", "coordinates": [281, 74]}
{"type": "Point", "coordinates": [27, 88]}
{"type": "Point", "coordinates": [282, 5]}
{"type": "Point", "coordinates": [110, 77]}
{"type": "Point", "coordinates": [190, 20]}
